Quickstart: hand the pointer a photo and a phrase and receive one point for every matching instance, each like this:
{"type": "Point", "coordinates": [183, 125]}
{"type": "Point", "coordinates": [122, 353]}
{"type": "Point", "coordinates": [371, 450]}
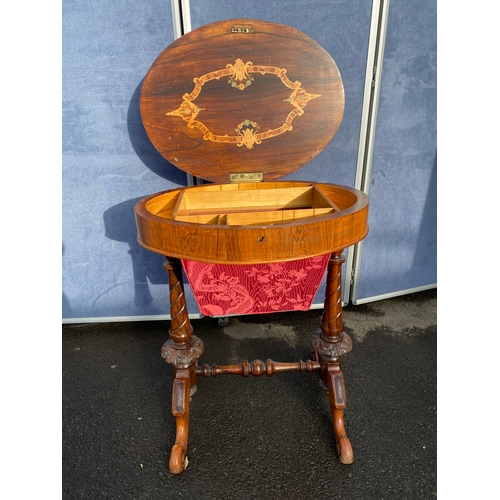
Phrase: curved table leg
{"type": "Point", "coordinates": [182, 351]}
{"type": "Point", "coordinates": [180, 410]}
{"type": "Point", "coordinates": [330, 344]}
{"type": "Point", "coordinates": [344, 447]}
{"type": "Point", "coordinates": [336, 391]}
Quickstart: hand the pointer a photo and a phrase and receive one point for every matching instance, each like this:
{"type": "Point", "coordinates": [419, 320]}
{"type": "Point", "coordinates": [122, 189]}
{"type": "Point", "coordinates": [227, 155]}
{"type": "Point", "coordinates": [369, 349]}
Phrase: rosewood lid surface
{"type": "Point", "coordinates": [242, 96]}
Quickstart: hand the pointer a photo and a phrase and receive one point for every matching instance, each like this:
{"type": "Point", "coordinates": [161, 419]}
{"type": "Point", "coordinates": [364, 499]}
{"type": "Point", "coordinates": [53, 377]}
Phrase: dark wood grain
{"type": "Point", "coordinates": [224, 107]}
{"type": "Point", "coordinates": [181, 351]}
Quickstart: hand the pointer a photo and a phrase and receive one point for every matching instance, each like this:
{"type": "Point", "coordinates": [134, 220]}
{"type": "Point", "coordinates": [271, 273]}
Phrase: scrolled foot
{"type": "Point", "coordinates": [178, 460]}
{"type": "Point", "coordinates": [344, 450]}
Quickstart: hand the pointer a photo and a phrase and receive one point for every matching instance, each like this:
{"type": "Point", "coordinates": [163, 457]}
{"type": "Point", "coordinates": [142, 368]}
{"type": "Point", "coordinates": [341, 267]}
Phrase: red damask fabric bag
{"type": "Point", "coordinates": [223, 290]}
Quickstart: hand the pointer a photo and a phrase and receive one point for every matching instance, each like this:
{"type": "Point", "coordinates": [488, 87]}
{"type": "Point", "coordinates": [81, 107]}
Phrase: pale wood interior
{"type": "Point", "coordinates": [245, 204]}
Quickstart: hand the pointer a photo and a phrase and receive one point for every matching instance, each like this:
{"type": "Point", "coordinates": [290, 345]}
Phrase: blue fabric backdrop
{"type": "Point", "coordinates": [400, 253]}
{"type": "Point", "coordinates": [108, 161]}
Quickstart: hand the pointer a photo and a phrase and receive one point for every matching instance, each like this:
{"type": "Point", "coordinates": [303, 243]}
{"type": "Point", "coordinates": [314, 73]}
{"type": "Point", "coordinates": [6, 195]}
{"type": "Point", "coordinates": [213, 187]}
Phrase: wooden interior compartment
{"type": "Point", "coordinates": [340, 197]}
{"type": "Point", "coordinates": [164, 204]}
{"type": "Point", "coordinates": [196, 202]}
{"type": "Point", "coordinates": [251, 203]}
{"type": "Point", "coordinates": [274, 217]}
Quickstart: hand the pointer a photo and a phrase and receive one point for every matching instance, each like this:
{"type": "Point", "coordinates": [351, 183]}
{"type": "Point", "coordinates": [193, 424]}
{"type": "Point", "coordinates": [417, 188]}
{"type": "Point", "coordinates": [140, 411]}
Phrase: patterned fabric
{"type": "Point", "coordinates": [222, 290]}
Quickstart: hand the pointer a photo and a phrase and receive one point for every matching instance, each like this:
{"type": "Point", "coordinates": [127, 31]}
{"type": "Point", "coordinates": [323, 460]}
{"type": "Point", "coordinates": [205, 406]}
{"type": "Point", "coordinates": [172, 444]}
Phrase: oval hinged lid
{"type": "Point", "coordinates": [240, 97]}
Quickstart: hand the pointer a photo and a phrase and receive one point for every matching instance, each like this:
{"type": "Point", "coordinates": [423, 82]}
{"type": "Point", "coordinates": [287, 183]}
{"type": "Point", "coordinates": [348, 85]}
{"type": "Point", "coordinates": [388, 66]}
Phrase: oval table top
{"type": "Point", "coordinates": [258, 242]}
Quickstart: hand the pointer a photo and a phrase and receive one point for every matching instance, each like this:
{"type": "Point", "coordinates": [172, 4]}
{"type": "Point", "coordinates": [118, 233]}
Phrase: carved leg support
{"type": "Point", "coordinates": [329, 345]}
{"type": "Point", "coordinates": [182, 351]}
{"type": "Point", "coordinates": [180, 410]}
{"type": "Point", "coordinates": [336, 390]}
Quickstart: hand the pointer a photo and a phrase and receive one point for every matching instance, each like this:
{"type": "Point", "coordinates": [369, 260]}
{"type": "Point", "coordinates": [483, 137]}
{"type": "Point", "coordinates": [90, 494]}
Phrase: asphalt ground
{"type": "Point", "coordinates": [267, 437]}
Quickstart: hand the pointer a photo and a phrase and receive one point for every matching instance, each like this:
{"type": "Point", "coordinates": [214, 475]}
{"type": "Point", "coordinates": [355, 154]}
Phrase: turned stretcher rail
{"type": "Point", "coordinates": [257, 368]}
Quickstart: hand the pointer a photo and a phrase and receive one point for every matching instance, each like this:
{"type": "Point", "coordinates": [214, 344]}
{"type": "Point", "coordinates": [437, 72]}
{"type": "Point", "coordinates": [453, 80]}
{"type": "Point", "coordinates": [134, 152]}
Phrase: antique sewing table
{"type": "Point", "coordinates": [240, 104]}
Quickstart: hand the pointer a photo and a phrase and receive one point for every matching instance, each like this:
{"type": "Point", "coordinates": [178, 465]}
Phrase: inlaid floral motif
{"type": "Point", "coordinates": [240, 77]}
{"type": "Point", "coordinates": [248, 131]}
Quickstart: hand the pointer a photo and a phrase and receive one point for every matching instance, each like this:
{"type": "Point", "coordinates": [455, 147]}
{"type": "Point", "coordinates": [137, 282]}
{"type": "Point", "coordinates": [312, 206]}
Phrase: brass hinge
{"type": "Point", "coordinates": [246, 177]}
